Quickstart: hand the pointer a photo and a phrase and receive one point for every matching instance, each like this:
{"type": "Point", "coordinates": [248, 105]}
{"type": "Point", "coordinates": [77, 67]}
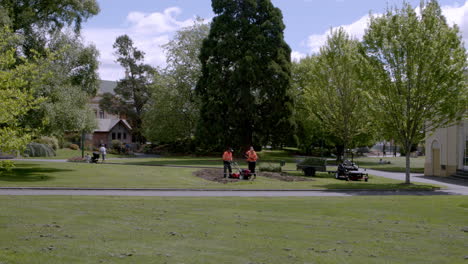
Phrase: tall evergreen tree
{"type": "Point", "coordinates": [246, 74]}
{"type": "Point", "coordinates": [133, 91]}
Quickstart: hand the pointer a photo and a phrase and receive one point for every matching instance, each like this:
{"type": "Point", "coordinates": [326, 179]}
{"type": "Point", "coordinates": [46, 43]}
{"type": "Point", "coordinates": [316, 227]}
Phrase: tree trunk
{"type": "Point", "coordinates": [340, 153]}
{"type": "Point", "coordinates": [82, 143]}
{"type": "Point", "coordinates": [407, 156]}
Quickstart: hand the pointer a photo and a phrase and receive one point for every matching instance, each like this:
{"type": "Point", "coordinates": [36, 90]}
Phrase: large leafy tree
{"type": "Point", "coordinates": [336, 92]}
{"type": "Point", "coordinates": [50, 31]}
{"type": "Point", "coordinates": [311, 133]}
{"type": "Point", "coordinates": [173, 111]}
{"type": "Point", "coordinates": [417, 72]}
{"type": "Point", "coordinates": [133, 91]}
{"type": "Point", "coordinates": [36, 20]}
{"type": "Point", "coordinates": [17, 84]}
{"type": "Point", "coordinates": [72, 79]}
{"type": "Point", "coordinates": [246, 73]}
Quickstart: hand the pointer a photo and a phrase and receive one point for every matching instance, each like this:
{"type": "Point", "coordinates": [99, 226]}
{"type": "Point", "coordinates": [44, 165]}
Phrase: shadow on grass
{"type": "Point", "coordinates": [168, 162]}
{"type": "Point", "coordinates": [195, 163]}
{"type": "Point", "coordinates": [29, 173]}
{"type": "Point", "coordinates": [321, 175]}
{"type": "Point", "coordinates": [446, 180]}
{"type": "Point", "coordinates": [387, 167]}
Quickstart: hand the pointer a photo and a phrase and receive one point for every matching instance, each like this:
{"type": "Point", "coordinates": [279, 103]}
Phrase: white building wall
{"type": "Point", "coordinates": [452, 147]}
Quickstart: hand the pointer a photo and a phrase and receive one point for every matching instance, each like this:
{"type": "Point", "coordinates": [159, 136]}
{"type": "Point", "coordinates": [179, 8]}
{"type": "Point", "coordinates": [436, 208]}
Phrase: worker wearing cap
{"type": "Point", "coordinates": [252, 160]}
{"type": "Point", "coordinates": [227, 159]}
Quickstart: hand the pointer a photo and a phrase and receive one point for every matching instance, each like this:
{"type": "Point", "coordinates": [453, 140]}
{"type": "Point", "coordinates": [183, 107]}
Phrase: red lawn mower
{"type": "Point", "coordinates": [241, 174]}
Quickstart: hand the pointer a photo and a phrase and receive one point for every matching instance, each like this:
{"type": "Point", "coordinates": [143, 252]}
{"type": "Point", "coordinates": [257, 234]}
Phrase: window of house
{"type": "Point", "coordinates": [113, 136]}
{"type": "Point", "coordinates": [101, 114]}
{"type": "Point", "coordinates": [119, 136]}
{"type": "Point", "coordinates": [124, 135]}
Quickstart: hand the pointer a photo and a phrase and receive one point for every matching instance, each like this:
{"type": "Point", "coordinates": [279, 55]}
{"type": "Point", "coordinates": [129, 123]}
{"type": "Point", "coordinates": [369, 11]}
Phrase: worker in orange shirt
{"type": "Point", "coordinates": [227, 159]}
{"type": "Point", "coordinates": [252, 160]}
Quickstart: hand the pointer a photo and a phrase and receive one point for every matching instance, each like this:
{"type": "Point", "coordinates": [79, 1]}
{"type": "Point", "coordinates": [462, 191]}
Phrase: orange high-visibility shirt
{"type": "Point", "coordinates": [252, 156]}
{"type": "Point", "coordinates": [227, 156]}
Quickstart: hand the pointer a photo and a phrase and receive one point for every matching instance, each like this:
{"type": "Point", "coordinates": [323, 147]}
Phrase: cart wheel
{"type": "Point", "coordinates": [347, 178]}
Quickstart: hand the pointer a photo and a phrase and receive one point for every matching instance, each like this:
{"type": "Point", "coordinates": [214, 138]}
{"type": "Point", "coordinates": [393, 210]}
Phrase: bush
{"type": "Point", "coordinates": [72, 137]}
{"type": "Point", "coordinates": [313, 162]}
{"type": "Point", "coordinates": [116, 144]}
{"type": "Point", "coordinates": [89, 147]}
{"type": "Point", "coordinates": [74, 147]}
{"type": "Point", "coordinates": [39, 150]}
{"type": "Point", "coordinates": [116, 147]}
{"type": "Point", "coordinates": [6, 165]}
{"type": "Point", "coordinates": [51, 141]}
{"type": "Point", "coordinates": [66, 144]}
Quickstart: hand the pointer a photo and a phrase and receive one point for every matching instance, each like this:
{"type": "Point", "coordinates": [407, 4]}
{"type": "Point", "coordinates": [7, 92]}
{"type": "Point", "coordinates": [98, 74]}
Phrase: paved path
{"type": "Point", "coordinates": [453, 186]}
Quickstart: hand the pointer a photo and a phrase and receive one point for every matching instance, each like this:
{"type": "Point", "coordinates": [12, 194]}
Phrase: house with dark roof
{"type": "Point", "coordinates": [110, 126]}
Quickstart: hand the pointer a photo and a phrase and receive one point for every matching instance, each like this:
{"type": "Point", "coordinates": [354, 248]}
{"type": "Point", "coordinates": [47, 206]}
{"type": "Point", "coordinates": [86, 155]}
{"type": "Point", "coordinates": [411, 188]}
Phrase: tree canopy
{"type": "Point", "coordinates": [336, 91]}
{"type": "Point", "coordinates": [17, 84]}
{"type": "Point", "coordinates": [245, 85]}
{"type": "Point", "coordinates": [173, 111]}
{"type": "Point", "coordinates": [416, 73]}
{"type": "Point", "coordinates": [35, 20]}
{"type": "Point", "coordinates": [133, 91]}
{"type": "Point", "coordinates": [50, 31]}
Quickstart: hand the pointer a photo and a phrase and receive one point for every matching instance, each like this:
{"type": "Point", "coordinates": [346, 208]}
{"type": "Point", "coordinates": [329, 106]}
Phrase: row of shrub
{"type": "Point", "coordinates": [34, 149]}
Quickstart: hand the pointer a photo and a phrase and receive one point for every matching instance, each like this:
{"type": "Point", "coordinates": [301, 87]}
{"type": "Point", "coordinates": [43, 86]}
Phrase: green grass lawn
{"type": "Point", "coordinates": [398, 164]}
{"type": "Point", "coordinates": [266, 158]}
{"type": "Point", "coordinates": [70, 229]}
{"type": "Point", "coordinates": [41, 174]}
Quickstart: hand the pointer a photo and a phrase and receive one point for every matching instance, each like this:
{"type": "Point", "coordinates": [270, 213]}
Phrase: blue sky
{"type": "Point", "coordinates": [152, 23]}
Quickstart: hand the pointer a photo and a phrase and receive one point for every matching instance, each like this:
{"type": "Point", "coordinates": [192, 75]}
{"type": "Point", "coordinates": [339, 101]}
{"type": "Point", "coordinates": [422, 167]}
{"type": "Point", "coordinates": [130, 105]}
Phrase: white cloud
{"type": "Point", "coordinates": [355, 29]}
{"type": "Point", "coordinates": [147, 30]}
{"type": "Point", "coordinates": [458, 15]}
{"type": "Point", "coordinates": [455, 15]}
{"type": "Point", "coordinates": [157, 22]}
{"type": "Point", "coordinates": [297, 56]}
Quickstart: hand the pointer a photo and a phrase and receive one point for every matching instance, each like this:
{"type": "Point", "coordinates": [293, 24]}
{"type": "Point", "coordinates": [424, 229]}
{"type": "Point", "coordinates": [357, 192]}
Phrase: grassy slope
{"type": "Point", "coordinates": [266, 158]}
{"type": "Point", "coordinates": [34, 174]}
{"type": "Point", "coordinates": [401, 229]}
{"type": "Point", "coordinates": [398, 164]}
{"type": "Point", "coordinates": [69, 153]}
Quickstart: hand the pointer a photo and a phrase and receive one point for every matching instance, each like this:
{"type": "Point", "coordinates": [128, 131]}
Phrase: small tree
{"type": "Point", "coordinates": [335, 91]}
{"type": "Point", "coordinates": [416, 75]}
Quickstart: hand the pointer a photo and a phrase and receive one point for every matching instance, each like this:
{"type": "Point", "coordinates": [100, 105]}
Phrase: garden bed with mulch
{"type": "Point", "coordinates": [216, 175]}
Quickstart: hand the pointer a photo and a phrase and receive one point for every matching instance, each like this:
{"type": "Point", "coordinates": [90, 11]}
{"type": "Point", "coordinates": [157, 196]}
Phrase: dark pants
{"type": "Point", "coordinates": [252, 167]}
{"type": "Point", "coordinates": [227, 166]}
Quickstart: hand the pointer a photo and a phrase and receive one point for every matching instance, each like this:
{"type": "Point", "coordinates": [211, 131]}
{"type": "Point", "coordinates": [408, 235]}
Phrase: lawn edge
{"type": "Point", "coordinates": [217, 190]}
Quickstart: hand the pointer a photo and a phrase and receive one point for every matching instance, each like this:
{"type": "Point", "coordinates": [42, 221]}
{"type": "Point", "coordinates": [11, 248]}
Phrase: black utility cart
{"type": "Point", "coordinates": [310, 165]}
